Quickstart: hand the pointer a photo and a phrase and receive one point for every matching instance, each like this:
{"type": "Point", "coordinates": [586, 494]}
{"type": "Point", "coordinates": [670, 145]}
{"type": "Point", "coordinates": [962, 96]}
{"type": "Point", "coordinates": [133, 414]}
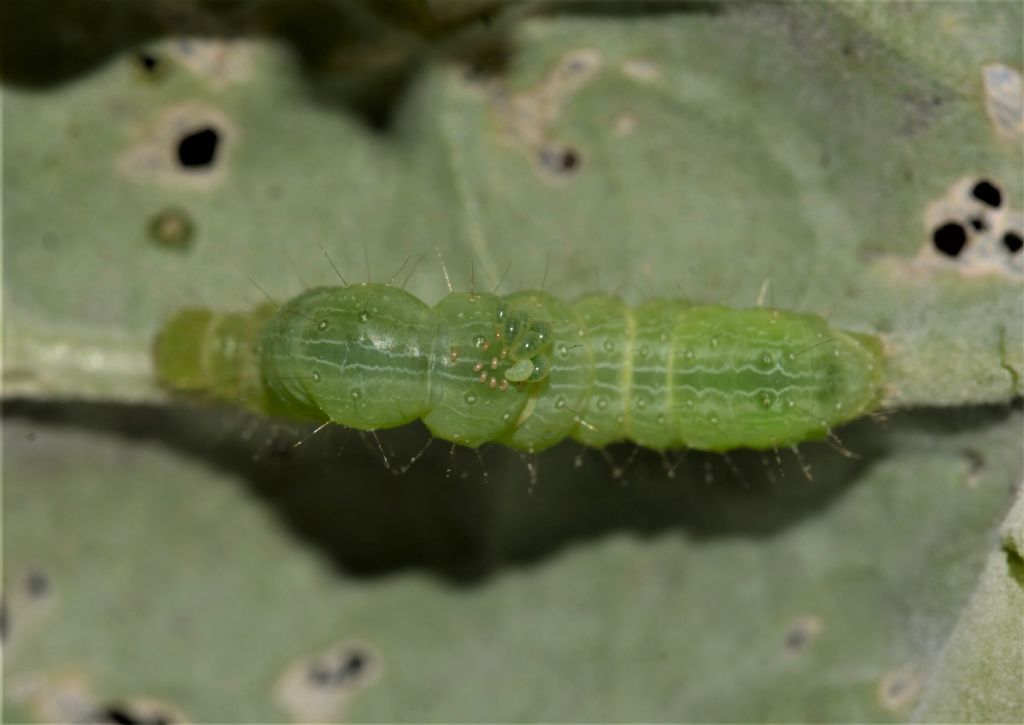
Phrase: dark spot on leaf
{"type": "Point", "coordinates": [796, 639]}
{"type": "Point", "coordinates": [172, 227]}
{"type": "Point", "coordinates": [148, 62]}
{"type": "Point", "coordinates": [1013, 242]}
{"type": "Point", "coordinates": [345, 670]}
{"type": "Point", "coordinates": [355, 663]}
{"type": "Point", "coordinates": [801, 632]}
{"type": "Point", "coordinates": [898, 689]}
{"type": "Point", "coordinates": [977, 224]}
{"type": "Point", "coordinates": [950, 238]}
{"type": "Point", "coordinates": [560, 160]}
{"type": "Point", "coordinates": [37, 584]}
{"type": "Point", "coordinates": [987, 193]}
{"type": "Point", "coordinates": [198, 148]}
{"type": "Point", "coordinates": [975, 461]}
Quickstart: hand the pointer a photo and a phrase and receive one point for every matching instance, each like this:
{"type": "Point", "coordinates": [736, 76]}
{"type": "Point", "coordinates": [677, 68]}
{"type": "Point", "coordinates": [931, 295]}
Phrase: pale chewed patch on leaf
{"type": "Point", "coordinates": [187, 144]}
{"type": "Point", "coordinates": [220, 62]}
{"type": "Point", "coordinates": [526, 118]}
{"type": "Point", "coordinates": [1004, 99]}
{"type": "Point", "coordinates": [29, 601]}
{"type": "Point", "coordinates": [69, 698]}
{"type": "Point", "coordinates": [318, 687]}
{"type": "Point", "coordinates": [899, 689]}
{"type": "Point", "coordinates": [973, 228]}
{"type": "Point", "coordinates": [624, 124]}
{"type": "Point", "coordinates": [641, 70]}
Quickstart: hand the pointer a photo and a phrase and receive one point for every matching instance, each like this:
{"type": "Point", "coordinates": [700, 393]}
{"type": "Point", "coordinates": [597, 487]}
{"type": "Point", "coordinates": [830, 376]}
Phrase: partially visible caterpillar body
{"type": "Point", "coordinates": [526, 370]}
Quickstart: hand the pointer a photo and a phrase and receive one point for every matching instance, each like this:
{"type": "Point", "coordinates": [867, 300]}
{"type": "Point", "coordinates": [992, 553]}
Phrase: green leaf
{"type": "Point", "coordinates": [985, 648]}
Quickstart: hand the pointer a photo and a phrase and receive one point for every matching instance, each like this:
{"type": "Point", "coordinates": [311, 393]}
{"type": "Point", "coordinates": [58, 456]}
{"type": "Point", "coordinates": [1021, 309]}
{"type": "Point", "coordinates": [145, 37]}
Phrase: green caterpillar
{"type": "Point", "coordinates": [527, 369]}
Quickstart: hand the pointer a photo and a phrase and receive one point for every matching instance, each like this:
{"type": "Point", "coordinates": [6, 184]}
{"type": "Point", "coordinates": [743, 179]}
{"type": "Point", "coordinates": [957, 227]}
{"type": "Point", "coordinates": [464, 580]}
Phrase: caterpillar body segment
{"type": "Point", "coordinates": [528, 369]}
{"type": "Point", "coordinates": [208, 353]}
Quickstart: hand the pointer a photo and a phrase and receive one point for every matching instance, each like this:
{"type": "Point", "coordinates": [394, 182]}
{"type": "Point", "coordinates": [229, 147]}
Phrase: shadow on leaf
{"type": "Point", "coordinates": [466, 517]}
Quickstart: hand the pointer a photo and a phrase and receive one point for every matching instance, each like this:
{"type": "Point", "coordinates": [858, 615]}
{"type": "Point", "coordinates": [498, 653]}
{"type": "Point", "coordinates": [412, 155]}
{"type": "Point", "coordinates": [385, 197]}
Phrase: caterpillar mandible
{"type": "Point", "coordinates": [527, 370]}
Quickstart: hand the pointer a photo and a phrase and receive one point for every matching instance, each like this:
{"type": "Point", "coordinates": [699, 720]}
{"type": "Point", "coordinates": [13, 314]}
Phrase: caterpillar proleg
{"type": "Point", "coordinates": [527, 370]}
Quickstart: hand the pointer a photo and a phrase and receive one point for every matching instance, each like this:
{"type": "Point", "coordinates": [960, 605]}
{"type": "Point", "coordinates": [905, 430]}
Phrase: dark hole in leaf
{"type": "Point", "coordinates": [344, 670]}
{"type": "Point", "coordinates": [198, 148]}
{"type": "Point", "coordinates": [1013, 242]}
{"type": "Point", "coordinates": [148, 62]}
{"type": "Point", "coordinates": [950, 238]}
{"type": "Point", "coordinates": [124, 716]}
{"type": "Point", "coordinates": [561, 160]}
{"type": "Point", "coordinates": [977, 224]}
{"type": "Point", "coordinates": [987, 193]}
{"type": "Point", "coordinates": [355, 663]}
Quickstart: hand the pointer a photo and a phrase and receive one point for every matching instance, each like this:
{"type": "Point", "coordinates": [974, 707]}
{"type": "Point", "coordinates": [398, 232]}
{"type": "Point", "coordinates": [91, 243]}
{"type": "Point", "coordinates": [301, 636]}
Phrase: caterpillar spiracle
{"type": "Point", "coordinates": [527, 369]}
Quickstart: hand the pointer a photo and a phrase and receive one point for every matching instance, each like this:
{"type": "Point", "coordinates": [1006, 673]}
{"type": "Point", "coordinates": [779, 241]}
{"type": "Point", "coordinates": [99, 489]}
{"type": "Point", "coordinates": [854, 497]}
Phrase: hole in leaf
{"type": "Point", "coordinates": [987, 193]}
{"type": "Point", "coordinates": [124, 716]}
{"type": "Point", "coordinates": [199, 148]}
{"type": "Point", "coordinates": [560, 160]}
{"type": "Point", "coordinates": [950, 238]}
{"type": "Point", "coordinates": [148, 62]}
{"type": "Point", "coordinates": [1013, 242]}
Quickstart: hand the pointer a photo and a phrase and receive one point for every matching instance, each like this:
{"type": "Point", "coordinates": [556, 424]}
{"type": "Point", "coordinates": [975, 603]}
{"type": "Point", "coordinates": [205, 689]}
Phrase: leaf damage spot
{"type": "Point", "coordinates": [640, 70]}
{"type": "Point", "coordinates": [560, 159]}
{"type": "Point", "coordinates": [37, 584]}
{"type": "Point", "coordinates": [26, 605]}
{"type": "Point", "coordinates": [198, 148]}
{"type": "Point", "coordinates": [172, 228]}
{"type": "Point", "coordinates": [1004, 99]}
{"type": "Point", "coordinates": [68, 697]}
{"type": "Point", "coordinates": [526, 118]}
{"type": "Point", "coordinates": [972, 228]}
{"type": "Point", "coordinates": [898, 689]}
{"type": "Point", "coordinates": [975, 465]}
{"type": "Point", "coordinates": [317, 688]}
{"type": "Point", "coordinates": [801, 633]}
{"type": "Point", "coordinates": [221, 62]}
{"type": "Point", "coordinates": [150, 66]}
{"type": "Point", "coordinates": [187, 145]}
{"type": "Point", "coordinates": [624, 124]}
{"type": "Point", "coordinates": [138, 711]}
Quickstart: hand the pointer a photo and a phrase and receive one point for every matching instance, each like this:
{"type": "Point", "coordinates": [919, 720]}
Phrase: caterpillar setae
{"type": "Point", "coordinates": [528, 369]}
